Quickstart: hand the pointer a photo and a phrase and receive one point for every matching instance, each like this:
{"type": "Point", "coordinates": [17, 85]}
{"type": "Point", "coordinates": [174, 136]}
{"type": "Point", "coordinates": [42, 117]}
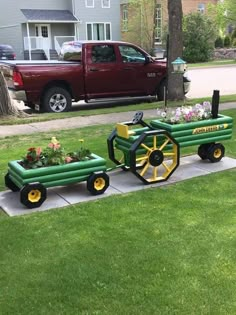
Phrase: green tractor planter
{"type": "Point", "coordinates": [33, 183]}
{"type": "Point", "coordinates": [149, 151]}
{"type": "Point", "coordinates": [152, 151]}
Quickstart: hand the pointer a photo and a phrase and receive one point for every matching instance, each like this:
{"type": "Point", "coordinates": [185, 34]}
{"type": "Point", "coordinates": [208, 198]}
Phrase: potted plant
{"type": "Point", "coordinates": [40, 169]}
{"type": "Point", "coordinates": [193, 125]}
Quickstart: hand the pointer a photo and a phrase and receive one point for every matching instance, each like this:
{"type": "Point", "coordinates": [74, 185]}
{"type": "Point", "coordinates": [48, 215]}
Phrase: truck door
{"type": "Point", "coordinates": [140, 76]}
{"type": "Point", "coordinates": [101, 73]}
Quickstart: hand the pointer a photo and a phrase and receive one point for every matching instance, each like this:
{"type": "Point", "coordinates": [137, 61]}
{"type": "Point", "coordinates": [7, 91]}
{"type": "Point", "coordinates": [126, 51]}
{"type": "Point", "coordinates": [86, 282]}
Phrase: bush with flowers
{"type": "Point", "coordinates": [185, 114]}
{"type": "Point", "coordinates": [54, 154]}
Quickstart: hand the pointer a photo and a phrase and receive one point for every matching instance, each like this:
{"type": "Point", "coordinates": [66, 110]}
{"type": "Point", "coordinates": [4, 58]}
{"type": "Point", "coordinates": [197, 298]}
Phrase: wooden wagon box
{"type": "Point", "coordinates": [33, 183]}
{"type": "Point", "coordinates": [57, 175]}
{"type": "Point", "coordinates": [199, 132]}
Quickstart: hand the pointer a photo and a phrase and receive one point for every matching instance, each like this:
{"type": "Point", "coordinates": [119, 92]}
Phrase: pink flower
{"type": "Point", "coordinates": [54, 146]}
{"type": "Point", "coordinates": [38, 151]}
{"type": "Point", "coordinates": [68, 159]}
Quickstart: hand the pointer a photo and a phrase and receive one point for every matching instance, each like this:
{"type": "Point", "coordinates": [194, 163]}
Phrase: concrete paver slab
{"type": "Point", "coordinates": [10, 203]}
{"type": "Point", "coordinates": [120, 182]}
{"type": "Point", "coordinates": [216, 167]}
{"type": "Point", "coordinates": [187, 171]}
{"type": "Point", "coordinates": [79, 193]}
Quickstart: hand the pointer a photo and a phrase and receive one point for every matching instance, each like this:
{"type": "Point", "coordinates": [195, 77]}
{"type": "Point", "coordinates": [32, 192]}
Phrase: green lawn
{"type": "Point", "coordinates": [167, 250]}
{"type": "Point", "coordinates": [117, 108]}
{"type": "Point", "coordinates": [213, 63]}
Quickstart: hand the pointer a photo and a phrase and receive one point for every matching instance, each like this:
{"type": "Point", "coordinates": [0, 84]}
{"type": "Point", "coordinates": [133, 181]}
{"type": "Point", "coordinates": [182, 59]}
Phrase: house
{"type": "Point", "coordinates": [196, 5]}
{"type": "Point", "coordinates": [37, 29]}
{"type": "Point", "coordinates": [137, 20]}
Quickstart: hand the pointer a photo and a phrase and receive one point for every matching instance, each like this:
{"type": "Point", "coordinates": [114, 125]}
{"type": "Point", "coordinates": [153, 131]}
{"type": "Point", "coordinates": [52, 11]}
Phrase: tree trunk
{"type": "Point", "coordinates": [7, 107]}
{"type": "Point", "coordinates": [175, 49]}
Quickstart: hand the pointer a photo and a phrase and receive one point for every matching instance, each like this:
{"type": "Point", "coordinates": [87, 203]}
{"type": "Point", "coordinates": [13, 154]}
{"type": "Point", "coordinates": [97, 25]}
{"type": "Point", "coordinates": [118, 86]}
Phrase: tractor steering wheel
{"type": "Point", "coordinates": [137, 118]}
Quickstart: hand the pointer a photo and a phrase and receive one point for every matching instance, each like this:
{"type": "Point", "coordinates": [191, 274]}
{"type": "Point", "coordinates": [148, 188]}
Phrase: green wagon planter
{"type": "Point", "coordinates": [152, 151]}
{"type": "Point", "coordinates": [33, 183]}
{"type": "Point", "coordinates": [204, 133]}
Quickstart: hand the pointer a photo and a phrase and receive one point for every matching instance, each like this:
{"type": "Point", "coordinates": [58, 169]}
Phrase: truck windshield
{"type": "Point", "coordinates": [71, 51]}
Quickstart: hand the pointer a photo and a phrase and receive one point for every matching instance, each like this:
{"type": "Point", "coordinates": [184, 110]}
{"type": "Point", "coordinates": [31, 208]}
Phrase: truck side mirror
{"type": "Point", "coordinates": [148, 59]}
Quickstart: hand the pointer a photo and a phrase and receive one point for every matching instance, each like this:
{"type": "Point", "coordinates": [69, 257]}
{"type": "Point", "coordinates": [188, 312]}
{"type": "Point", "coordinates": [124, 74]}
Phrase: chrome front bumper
{"type": "Point", "coordinates": [187, 83]}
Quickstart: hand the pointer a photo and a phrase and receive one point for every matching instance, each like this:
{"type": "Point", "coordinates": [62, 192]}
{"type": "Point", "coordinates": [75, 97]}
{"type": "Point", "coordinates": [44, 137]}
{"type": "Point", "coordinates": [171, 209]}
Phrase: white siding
{"type": "Point", "coordinates": [13, 27]}
{"type": "Point", "coordinates": [98, 15]}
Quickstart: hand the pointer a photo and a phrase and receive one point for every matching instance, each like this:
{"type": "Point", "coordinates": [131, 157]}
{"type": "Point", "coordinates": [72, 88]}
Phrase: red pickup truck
{"type": "Point", "coordinates": [86, 70]}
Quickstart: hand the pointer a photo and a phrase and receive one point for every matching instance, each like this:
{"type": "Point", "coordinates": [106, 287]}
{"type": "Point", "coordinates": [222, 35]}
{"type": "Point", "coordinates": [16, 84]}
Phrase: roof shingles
{"type": "Point", "coordinates": [48, 15]}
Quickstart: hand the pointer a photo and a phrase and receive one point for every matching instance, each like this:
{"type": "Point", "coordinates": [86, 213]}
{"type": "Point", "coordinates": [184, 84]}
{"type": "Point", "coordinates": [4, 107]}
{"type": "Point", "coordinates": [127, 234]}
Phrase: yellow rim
{"type": "Point", "coordinates": [217, 153]}
{"type": "Point", "coordinates": [99, 183]}
{"type": "Point", "coordinates": [156, 173]}
{"type": "Point", "coordinates": [34, 195]}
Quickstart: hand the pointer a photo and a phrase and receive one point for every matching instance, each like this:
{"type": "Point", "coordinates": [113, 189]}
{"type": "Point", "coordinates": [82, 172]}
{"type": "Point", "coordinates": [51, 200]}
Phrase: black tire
{"type": "Point", "coordinates": [9, 183]}
{"type": "Point", "coordinates": [33, 195]}
{"type": "Point", "coordinates": [57, 100]}
{"type": "Point", "coordinates": [97, 183]}
{"type": "Point", "coordinates": [161, 90]}
{"type": "Point", "coordinates": [203, 150]}
{"type": "Point", "coordinates": [216, 152]}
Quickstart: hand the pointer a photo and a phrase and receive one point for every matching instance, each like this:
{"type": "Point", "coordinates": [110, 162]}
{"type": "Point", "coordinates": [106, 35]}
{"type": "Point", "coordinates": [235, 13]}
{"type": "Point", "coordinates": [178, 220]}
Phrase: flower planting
{"type": "Point", "coordinates": [186, 114]}
{"type": "Point", "coordinates": [53, 154]}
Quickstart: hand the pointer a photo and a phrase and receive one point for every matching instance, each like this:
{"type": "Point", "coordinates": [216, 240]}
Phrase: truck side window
{"type": "Point", "coordinates": [103, 53]}
{"type": "Point", "coordinates": [131, 54]}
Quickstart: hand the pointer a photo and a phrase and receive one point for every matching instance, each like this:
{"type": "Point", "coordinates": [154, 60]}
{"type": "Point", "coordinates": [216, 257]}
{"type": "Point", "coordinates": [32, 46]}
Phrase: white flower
{"type": "Point", "coordinates": [201, 113]}
{"type": "Point", "coordinates": [198, 106]}
{"type": "Point", "coordinates": [186, 113]}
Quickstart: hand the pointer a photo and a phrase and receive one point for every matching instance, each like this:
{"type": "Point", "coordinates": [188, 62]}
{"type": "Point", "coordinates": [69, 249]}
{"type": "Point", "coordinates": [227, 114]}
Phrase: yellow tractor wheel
{"type": "Point", "coordinates": [157, 153]}
{"type": "Point", "coordinates": [216, 152]}
{"type": "Point", "coordinates": [98, 183]}
{"type": "Point", "coordinates": [33, 195]}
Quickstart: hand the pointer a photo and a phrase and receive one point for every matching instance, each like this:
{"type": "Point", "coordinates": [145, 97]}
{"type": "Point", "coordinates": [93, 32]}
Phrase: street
{"type": "Point", "coordinates": [205, 80]}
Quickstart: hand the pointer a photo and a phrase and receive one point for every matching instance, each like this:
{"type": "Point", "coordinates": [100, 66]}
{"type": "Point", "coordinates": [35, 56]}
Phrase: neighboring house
{"type": "Point", "coordinates": [136, 18]}
{"type": "Point", "coordinates": [36, 30]}
{"type": "Point", "coordinates": [196, 5]}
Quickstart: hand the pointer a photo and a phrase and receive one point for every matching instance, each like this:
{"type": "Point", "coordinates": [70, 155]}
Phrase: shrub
{"type": "Point", "coordinates": [233, 43]}
{"type": "Point", "coordinates": [233, 34]}
{"type": "Point", "coordinates": [227, 41]}
{"type": "Point", "coordinates": [199, 35]}
{"type": "Point", "coordinates": [219, 42]}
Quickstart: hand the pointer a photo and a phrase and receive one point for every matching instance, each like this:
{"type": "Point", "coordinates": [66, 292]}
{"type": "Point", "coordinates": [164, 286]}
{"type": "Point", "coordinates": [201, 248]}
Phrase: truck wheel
{"type": "Point", "coordinates": [33, 195]}
{"type": "Point", "coordinates": [9, 183]}
{"type": "Point", "coordinates": [97, 183]}
{"type": "Point", "coordinates": [57, 100]}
